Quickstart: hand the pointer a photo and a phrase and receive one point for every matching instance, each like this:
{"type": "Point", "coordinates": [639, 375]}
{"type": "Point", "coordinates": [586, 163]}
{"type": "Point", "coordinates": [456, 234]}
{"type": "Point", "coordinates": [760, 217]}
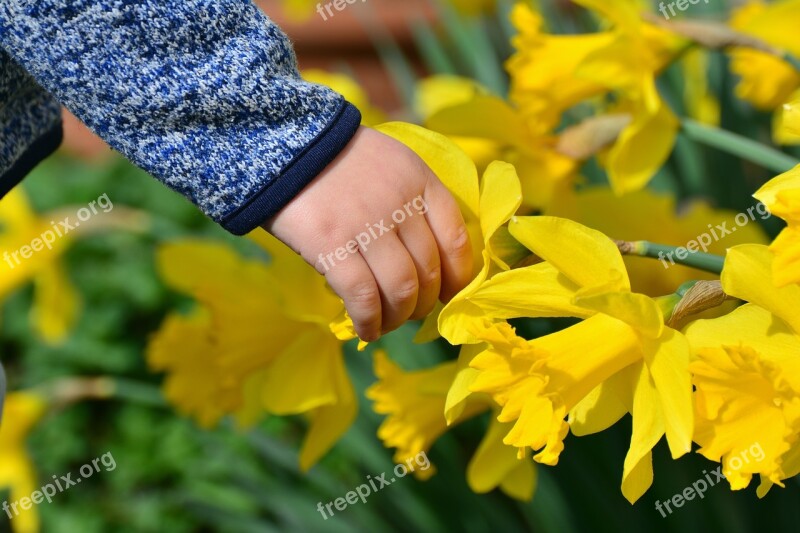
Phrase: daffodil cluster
{"type": "Point", "coordinates": [706, 360]}
{"type": "Point", "coordinates": [698, 362]}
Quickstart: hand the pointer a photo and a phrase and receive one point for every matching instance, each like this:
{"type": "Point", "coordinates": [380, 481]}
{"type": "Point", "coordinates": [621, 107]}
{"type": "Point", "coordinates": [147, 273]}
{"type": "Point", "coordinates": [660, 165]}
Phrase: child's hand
{"type": "Point", "coordinates": [386, 269]}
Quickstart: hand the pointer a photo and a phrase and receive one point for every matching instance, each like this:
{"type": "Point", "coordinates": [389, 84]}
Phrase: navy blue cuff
{"type": "Point", "coordinates": [36, 152]}
{"type": "Point", "coordinates": [306, 166]}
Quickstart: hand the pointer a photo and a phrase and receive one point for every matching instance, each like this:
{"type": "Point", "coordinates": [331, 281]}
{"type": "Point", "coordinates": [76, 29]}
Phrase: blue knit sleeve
{"type": "Point", "coordinates": [203, 94]}
{"type": "Point", "coordinates": [30, 123]}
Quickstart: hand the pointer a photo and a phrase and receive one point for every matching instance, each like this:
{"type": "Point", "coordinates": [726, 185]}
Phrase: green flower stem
{"type": "Point", "coordinates": [669, 255]}
{"type": "Point", "coordinates": [740, 146]}
{"type": "Point", "coordinates": [69, 390]}
{"type": "Point", "coordinates": [136, 392]}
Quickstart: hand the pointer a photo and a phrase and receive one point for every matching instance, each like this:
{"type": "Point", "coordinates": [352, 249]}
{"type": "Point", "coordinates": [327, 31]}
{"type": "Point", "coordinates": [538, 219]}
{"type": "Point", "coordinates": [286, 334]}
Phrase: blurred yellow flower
{"type": "Point", "coordinates": [263, 344]}
{"type": "Point", "coordinates": [701, 103]}
{"type": "Point", "coordinates": [629, 65]}
{"type": "Point", "coordinates": [489, 129]}
{"type": "Point", "coordinates": [786, 122]}
{"type": "Point", "coordinates": [624, 59]}
{"type": "Point", "coordinates": [542, 62]}
{"type": "Point", "coordinates": [56, 302]}
{"type": "Point", "coordinates": [414, 403]}
{"type": "Point", "coordinates": [22, 412]}
{"type": "Point", "coordinates": [442, 92]}
{"type": "Point", "coordinates": [782, 197]}
{"type": "Point", "coordinates": [767, 81]}
{"type": "Point", "coordinates": [746, 368]}
{"type": "Point", "coordinates": [792, 116]}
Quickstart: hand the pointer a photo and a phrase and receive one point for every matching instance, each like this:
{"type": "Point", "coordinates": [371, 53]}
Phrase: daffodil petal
{"type": "Point", "coordinates": [534, 291]}
{"type": "Point", "coordinates": [643, 147]}
{"type": "Point", "coordinates": [786, 247]}
{"type": "Point", "coordinates": [458, 319]}
{"type": "Point", "coordinates": [501, 196]}
{"type": "Point", "coordinates": [494, 463]}
{"type": "Point", "coordinates": [330, 422]}
{"type": "Point", "coordinates": [637, 310]}
{"type": "Point", "coordinates": [667, 360]}
{"type": "Point", "coordinates": [450, 164]}
{"type": "Point", "coordinates": [301, 377]}
{"type": "Point", "coordinates": [648, 428]}
{"type": "Point", "coordinates": [747, 325]}
{"type": "Point", "coordinates": [484, 117]}
{"type": "Point", "coordinates": [768, 193]}
{"type": "Point", "coordinates": [459, 390]}
{"type": "Point", "coordinates": [587, 257]}
{"type": "Point", "coordinates": [601, 408]}
{"type": "Point", "coordinates": [747, 274]}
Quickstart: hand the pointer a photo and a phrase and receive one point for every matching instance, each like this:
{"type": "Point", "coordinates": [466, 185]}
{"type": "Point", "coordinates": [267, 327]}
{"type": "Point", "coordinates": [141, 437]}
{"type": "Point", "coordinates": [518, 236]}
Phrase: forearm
{"type": "Point", "coordinates": [203, 94]}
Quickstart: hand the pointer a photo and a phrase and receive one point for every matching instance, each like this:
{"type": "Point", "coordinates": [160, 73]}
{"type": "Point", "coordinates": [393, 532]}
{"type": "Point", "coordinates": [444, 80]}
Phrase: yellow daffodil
{"type": "Point", "coordinates": [495, 465]}
{"type": "Point", "coordinates": [746, 368]}
{"type": "Point", "coordinates": [263, 342]}
{"type": "Point", "coordinates": [353, 93]}
{"type": "Point", "coordinates": [701, 103]}
{"type": "Point", "coordinates": [791, 116]}
{"type": "Point", "coordinates": [782, 197]}
{"type": "Point", "coordinates": [23, 410]}
{"type": "Point", "coordinates": [192, 381]}
{"type": "Point", "coordinates": [767, 81]}
{"type": "Point", "coordinates": [442, 92]}
{"type": "Point", "coordinates": [624, 59]}
{"type": "Point", "coordinates": [786, 122]}
{"type": "Point", "coordinates": [485, 205]}
{"type": "Point", "coordinates": [489, 129]}
{"type": "Point", "coordinates": [542, 62]}
{"type": "Point", "coordinates": [414, 403]}
{"type": "Point", "coordinates": [56, 304]}
{"type": "Point", "coordinates": [32, 244]}
{"type": "Point", "coordinates": [629, 65]}
{"type": "Point", "coordinates": [538, 382]}
{"type": "Point", "coordinates": [646, 215]}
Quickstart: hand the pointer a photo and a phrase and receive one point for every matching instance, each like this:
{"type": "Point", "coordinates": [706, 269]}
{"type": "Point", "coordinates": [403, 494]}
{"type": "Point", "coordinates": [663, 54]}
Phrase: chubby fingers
{"type": "Point", "coordinates": [416, 236]}
{"type": "Point", "coordinates": [451, 236]}
{"type": "Point", "coordinates": [396, 276]}
{"type": "Point", "coordinates": [353, 281]}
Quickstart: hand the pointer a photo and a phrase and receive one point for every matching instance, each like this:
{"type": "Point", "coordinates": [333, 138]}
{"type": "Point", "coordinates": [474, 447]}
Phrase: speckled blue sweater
{"type": "Point", "coordinates": [203, 94]}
